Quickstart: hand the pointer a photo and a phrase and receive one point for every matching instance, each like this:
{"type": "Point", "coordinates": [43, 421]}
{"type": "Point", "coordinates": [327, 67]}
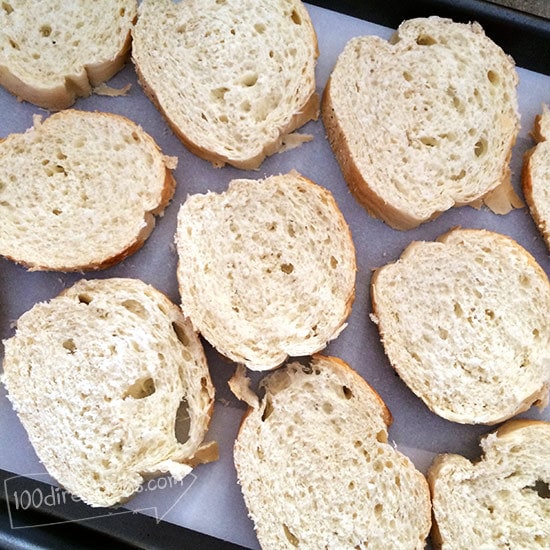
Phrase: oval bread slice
{"type": "Point", "coordinates": [98, 377]}
{"type": "Point", "coordinates": [536, 175]}
{"type": "Point", "coordinates": [80, 191]}
{"type": "Point", "coordinates": [266, 269]}
{"type": "Point", "coordinates": [423, 122]}
{"type": "Point", "coordinates": [233, 78]}
{"type": "Point", "coordinates": [316, 468]}
{"type": "Point", "coordinates": [53, 51]}
{"type": "Point", "coordinates": [464, 321]}
{"type": "Point", "coordinates": [500, 501]}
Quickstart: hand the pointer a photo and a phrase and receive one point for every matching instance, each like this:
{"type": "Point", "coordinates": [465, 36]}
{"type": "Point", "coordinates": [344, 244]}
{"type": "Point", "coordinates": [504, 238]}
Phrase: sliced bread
{"type": "Point", "coordinates": [464, 321]}
{"type": "Point", "coordinates": [80, 191]}
{"type": "Point", "coordinates": [53, 51]}
{"type": "Point", "coordinates": [501, 501]}
{"type": "Point", "coordinates": [536, 175]}
{"type": "Point", "coordinates": [232, 78]}
{"type": "Point", "coordinates": [266, 269]}
{"type": "Point", "coordinates": [102, 377]}
{"type": "Point", "coordinates": [423, 122]}
{"type": "Point", "coordinates": [316, 468]}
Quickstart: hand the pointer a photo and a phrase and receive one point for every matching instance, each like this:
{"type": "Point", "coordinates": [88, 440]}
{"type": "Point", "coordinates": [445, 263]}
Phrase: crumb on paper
{"type": "Point", "coordinates": [293, 140]}
{"type": "Point", "coordinates": [240, 386]}
{"type": "Point", "coordinates": [503, 199]}
{"type": "Point", "coordinates": [104, 89]}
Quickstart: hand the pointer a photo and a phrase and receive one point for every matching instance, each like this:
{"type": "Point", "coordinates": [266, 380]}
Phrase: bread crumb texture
{"type": "Point", "coordinates": [316, 468]}
{"type": "Point", "coordinates": [111, 384]}
{"type": "Point", "coordinates": [79, 191]}
{"type": "Point", "coordinates": [464, 321]}
{"type": "Point", "coordinates": [266, 269]}
{"type": "Point", "coordinates": [536, 175]}
{"type": "Point", "coordinates": [502, 501]}
{"type": "Point", "coordinates": [53, 51]}
{"type": "Point", "coordinates": [233, 78]}
{"type": "Point", "coordinates": [423, 122]}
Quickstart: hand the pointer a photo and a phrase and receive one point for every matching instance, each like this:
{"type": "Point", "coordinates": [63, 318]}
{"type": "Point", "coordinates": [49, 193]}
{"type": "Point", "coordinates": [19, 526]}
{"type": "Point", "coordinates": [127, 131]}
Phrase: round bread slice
{"type": "Point", "coordinates": [316, 468]}
{"type": "Point", "coordinates": [103, 378]}
{"type": "Point", "coordinates": [464, 321]}
{"type": "Point", "coordinates": [53, 51]}
{"type": "Point", "coordinates": [80, 191]}
{"type": "Point", "coordinates": [233, 78]}
{"type": "Point", "coordinates": [423, 122]}
{"type": "Point", "coordinates": [502, 501]}
{"type": "Point", "coordinates": [266, 269]}
{"type": "Point", "coordinates": [536, 175]}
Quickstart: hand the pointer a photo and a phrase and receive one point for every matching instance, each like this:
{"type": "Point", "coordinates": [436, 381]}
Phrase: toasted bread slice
{"type": "Point", "coordinates": [80, 191]}
{"type": "Point", "coordinates": [266, 269]}
{"type": "Point", "coordinates": [501, 501]}
{"type": "Point", "coordinates": [52, 51]}
{"type": "Point", "coordinates": [99, 376]}
{"type": "Point", "coordinates": [233, 79]}
{"type": "Point", "coordinates": [423, 122]}
{"type": "Point", "coordinates": [316, 468]}
{"type": "Point", "coordinates": [464, 321]}
{"type": "Point", "coordinates": [536, 175]}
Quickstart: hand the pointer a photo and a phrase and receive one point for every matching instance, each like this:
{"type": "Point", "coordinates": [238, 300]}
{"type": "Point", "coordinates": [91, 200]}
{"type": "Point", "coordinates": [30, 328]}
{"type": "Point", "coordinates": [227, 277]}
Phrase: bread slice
{"type": "Point", "coordinates": [536, 175]}
{"type": "Point", "coordinates": [102, 378]}
{"type": "Point", "coordinates": [502, 501]}
{"type": "Point", "coordinates": [266, 269]}
{"type": "Point", "coordinates": [423, 122]}
{"type": "Point", "coordinates": [316, 468]}
{"type": "Point", "coordinates": [80, 191]}
{"type": "Point", "coordinates": [464, 321]}
{"type": "Point", "coordinates": [53, 51]}
{"type": "Point", "coordinates": [233, 79]}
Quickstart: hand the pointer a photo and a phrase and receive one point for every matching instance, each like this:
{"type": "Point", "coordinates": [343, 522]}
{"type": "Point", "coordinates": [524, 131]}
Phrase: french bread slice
{"type": "Point", "coordinates": [536, 175]}
{"type": "Point", "coordinates": [266, 269]}
{"type": "Point", "coordinates": [233, 79]}
{"type": "Point", "coordinates": [316, 468]}
{"type": "Point", "coordinates": [80, 191]}
{"type": "Point", "coordinates": [464, 321]}
{"type": "Point", "coordinates": [53, 51]}
{"type": "Point", "coordinates": [501, 501]}
{"type": "Point", "coordinates": [102, 378]}
{"type": "Point", "coordinates": [423, 122]}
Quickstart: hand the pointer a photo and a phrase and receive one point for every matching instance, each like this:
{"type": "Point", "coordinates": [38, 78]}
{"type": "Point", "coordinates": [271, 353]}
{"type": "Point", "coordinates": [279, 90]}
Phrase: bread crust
{"type": "Point", "coordinates": [537, 155]}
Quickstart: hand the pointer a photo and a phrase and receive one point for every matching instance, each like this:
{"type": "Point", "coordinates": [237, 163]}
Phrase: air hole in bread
{"type": "Point", "coordinates": [183, 422]}
{"type": "Point", "coordinates": [45, 30]}
{"type": "Point", "coordinates": [378, 509]}
{"type": "Point", "coordinates": [328, 408]}
{"type": "Point", "coordinates": [84, 298]}
{"type": "Point", "coordinates": [180, 333]}
{"type": "Point", "coordinates": [295, 16]}
{"type": "Point", "coordinates": [382, 436]}
{"type": "Point", "coordinates": [493, 77]}
{"type": "Point", "coordinates": [249, 79]}
{"type": "Point", "coordinates": [14, 44]}
{"type": "Point", "coordinates": [259, 28]}
{"type": "Point", "coordinates": [6, 6]}
{"type": "Point", "coordinates": [291, 537]}
{"type": "Point", "coordinates": [480, 147]}
{"type": "Point", "coordinates": [56, 211]}
{"type": "Point", "coordinates": [69, 345]}
{"type": "Point", "coordinates": [407, 76]}
{"type": "Point", "coordinates": [348, 394]}
{"type": "Point", "coordinates": [333, 262]}
{"type": "Point", "coordinates": [141, 388]}
{"type": "Point", "coordinates": [122, 12]}
{"type": "Point", "coordinates": [541, 487]}
{"type": "Point", "coordinates": [267, 410]}
{"type": "Point", "coordinates": [287, 268]}
{"type": "Point", "coordinates": [135, 307]}
{"type": "Point", "coordinates": [425, 40]}
{"type": "Point", "coordinates": [218, 94]}
{"type": "Point", "coordinates": [428, 141]}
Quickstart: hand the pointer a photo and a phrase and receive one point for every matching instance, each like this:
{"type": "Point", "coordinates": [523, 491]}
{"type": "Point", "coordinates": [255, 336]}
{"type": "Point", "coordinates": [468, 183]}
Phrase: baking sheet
{"type": "Point", "coordinates": [209, 501]}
